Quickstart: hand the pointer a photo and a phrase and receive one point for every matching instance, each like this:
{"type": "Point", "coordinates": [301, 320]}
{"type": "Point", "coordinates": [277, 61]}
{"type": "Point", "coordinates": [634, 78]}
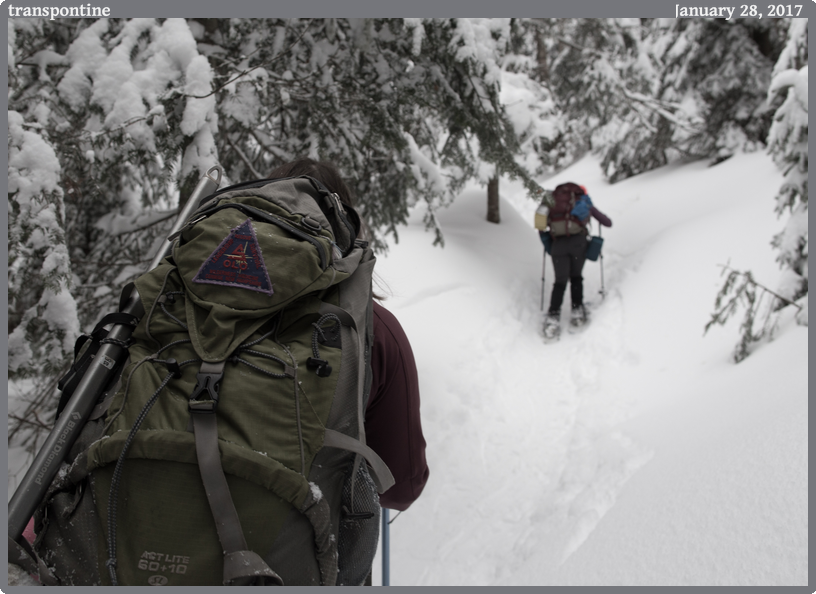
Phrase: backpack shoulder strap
{"type": "Point", "coordinates": [241, 566]}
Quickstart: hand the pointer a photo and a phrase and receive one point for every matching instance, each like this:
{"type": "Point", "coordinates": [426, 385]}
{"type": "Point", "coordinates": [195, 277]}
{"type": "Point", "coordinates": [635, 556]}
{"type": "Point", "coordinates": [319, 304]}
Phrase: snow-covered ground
{"type": "Point", "coordinates": [634, 453]}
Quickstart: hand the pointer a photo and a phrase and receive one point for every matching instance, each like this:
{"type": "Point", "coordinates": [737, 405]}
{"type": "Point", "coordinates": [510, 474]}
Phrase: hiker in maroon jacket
{"type": "Point", "coordinates": [392, 422]}
{"type": "Point", "coordinates": [569, 218]}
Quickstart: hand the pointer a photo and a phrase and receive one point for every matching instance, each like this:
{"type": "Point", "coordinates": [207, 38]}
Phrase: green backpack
{"type": "Point", "coordinates": [232, 450]}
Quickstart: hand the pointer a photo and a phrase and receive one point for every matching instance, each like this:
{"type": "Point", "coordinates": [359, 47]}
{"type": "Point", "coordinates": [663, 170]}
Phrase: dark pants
{"type": "Point", "coordinates": [568, 256]}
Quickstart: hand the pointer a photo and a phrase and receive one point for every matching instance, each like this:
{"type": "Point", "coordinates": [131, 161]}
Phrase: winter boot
{"type": "Point", "coordinates": [552, 326]}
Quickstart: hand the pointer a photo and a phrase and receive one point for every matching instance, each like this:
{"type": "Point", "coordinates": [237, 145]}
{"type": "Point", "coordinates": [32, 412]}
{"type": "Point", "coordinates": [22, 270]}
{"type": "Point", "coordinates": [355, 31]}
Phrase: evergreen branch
{"type": "Point", "coordinates": [659, 107]}
{"type": "Point", "coordinates": [243, 157]}
{"type": "Point", "coordinates": [580, 48]}
{"type": "Point", "coordinates": [168, 215]}
{"type": "Point", "coordinates": [245, 72]}
{"type": "Point", "coordinates": [278, 153]}
{"type": "Point", "coordinates": [745, 293]}
{"type": "Point", "coordinates": [227, 61]}
{"type": "Point", "coordinates": [751, 280]}
{"type": "Point", "coordinates": [509, 166]}
{"type": "Point", "coordinates": [43, 45]}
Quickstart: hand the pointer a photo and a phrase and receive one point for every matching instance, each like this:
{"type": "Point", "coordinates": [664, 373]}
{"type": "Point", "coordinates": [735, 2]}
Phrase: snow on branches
{"type": "Point", "coordinates": [788, 144]}
{"type": "Point", "coordinates": [41, 305]}
{"type": "Point", "coordinates": [102, 130]}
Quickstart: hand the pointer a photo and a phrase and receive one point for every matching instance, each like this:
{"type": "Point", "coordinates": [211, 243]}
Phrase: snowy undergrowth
{"type": "Point", "coordinates": [535, 450]}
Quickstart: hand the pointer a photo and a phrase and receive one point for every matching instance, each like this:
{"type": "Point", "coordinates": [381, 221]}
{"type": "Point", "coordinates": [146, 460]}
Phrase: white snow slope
{"type": "Point", "coordinates": [634, 453]}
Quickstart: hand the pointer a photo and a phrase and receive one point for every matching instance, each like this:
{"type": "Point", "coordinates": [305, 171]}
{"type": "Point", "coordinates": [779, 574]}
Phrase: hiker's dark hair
{"type": "Point", "coordinates": [323, 171]}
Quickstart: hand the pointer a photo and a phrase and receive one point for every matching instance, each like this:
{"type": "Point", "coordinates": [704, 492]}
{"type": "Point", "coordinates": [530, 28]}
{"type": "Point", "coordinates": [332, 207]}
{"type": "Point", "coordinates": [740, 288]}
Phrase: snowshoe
{"type": "Point", "coordinates": [578, 319]}
{"type": "Point", "coordinates": [552, 328]}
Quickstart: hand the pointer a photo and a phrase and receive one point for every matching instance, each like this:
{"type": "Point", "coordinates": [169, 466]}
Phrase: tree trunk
{"type": "Point", "coordinates": [493, 199]}
{"type": "Point", "coordinates": [542, 72]}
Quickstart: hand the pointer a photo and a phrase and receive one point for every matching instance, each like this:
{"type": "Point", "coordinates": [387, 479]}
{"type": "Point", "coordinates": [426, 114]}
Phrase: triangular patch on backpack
{"type": "Point", "coordinates": [237, 262]}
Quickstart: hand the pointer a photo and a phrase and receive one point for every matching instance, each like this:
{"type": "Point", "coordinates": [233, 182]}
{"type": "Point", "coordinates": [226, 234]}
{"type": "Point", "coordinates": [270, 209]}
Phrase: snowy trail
{"type": "Point", "coordinates": [517, 440]}
{"type": "Point", "coordinates": [527, 442]}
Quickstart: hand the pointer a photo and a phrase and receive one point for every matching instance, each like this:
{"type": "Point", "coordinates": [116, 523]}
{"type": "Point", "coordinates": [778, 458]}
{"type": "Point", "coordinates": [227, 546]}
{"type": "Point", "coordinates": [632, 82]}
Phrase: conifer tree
{"type": "Point", "coordinates": [641, 93]}
{"type": "Point", "coordinates": [788, 143]}
{"type": "Point", "coordinates": [100, 133]}
{"type": "Point", "coordinates": [548, 138]}
{"type": "Point", "coordinates": [720, 70]}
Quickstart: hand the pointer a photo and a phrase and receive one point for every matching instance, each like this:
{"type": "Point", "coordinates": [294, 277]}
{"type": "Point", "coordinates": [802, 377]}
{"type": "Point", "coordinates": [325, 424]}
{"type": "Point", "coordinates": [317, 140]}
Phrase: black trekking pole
{"type": "Point", "coordinates": [112, 351]}
{"type": "Point", "coordinates": [602, 291]}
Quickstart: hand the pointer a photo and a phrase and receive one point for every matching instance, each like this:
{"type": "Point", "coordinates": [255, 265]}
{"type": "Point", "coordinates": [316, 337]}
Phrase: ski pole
{"type": "Point", "coordinates": [602, 291]}
{"type": "Point", "coordinates": [386, 551]}
{"type": "Point", "coordinates": [99, 374]}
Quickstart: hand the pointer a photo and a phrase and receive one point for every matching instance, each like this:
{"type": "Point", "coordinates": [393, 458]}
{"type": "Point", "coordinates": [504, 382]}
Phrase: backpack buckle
{"type": "Point", "coordinates": [208, 380]}
{"type": "Point", "coordinates": [206, 407]}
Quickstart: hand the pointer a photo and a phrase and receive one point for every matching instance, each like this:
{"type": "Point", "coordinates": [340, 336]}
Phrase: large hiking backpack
{"type": "Point", "coordinates": [231, 449]}
{"type": "Point", "coordinates": [563, 218]}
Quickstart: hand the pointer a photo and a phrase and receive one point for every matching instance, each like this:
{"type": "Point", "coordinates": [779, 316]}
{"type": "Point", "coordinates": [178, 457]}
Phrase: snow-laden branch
{"type": "Point", "coordinates": [269, 62]}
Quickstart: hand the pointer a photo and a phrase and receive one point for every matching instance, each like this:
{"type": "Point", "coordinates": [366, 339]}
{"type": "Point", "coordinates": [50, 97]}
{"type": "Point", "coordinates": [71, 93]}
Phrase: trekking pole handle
{"type": "Point", "coordinates": [112, 351]}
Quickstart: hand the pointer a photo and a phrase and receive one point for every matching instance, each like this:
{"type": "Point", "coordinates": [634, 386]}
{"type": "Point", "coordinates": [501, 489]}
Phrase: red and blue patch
{"type": "Point", "coordinates": [237, 262]}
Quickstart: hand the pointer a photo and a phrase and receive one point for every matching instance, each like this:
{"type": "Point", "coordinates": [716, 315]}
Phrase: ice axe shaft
{"type": "Point", "coordinates": [112, 352]}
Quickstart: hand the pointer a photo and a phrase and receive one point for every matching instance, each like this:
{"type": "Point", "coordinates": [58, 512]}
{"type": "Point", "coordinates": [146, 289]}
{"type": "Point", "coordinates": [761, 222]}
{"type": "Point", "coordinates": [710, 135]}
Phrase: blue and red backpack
{"type": "Point", "coordinates": [569, 215]}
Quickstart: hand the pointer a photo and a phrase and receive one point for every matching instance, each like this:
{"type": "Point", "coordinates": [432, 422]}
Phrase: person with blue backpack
{"type": "Point", "coordinates": [566, 240]}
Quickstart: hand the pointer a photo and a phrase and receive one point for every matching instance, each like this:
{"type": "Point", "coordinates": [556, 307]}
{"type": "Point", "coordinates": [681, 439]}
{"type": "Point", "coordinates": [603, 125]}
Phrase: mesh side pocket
{"type": "Point", "coordinates": [69, 535]}
{"type": "Point", "coordinates": [359, 528]}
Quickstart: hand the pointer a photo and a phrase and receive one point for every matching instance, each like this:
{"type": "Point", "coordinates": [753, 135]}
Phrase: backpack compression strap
{"type": "Point", "coordinates": [241, 566]}
{"type": "Point", "coordinates": [382, 476]}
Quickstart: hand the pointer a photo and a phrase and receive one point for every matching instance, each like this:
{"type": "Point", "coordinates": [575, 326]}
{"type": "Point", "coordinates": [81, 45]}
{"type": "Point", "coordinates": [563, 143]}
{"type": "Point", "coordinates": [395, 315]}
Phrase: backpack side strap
{"type": "Point", "coordinates": [247, 567]}
{"type": "Point", "coordinates": [380, 473]}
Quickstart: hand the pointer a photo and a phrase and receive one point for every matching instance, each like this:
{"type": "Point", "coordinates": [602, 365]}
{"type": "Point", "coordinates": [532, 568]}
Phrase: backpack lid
{"type": "Point", "coordinates": [564, 197]}
{"type": "Point", "coordinates": [569, 188]}
{"type": "Point", "coordinates": [344, 220]}
{"type": "Point", "coordinates": [248, 252]}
